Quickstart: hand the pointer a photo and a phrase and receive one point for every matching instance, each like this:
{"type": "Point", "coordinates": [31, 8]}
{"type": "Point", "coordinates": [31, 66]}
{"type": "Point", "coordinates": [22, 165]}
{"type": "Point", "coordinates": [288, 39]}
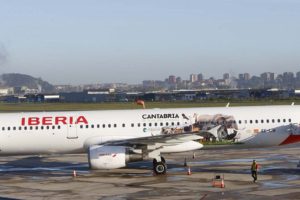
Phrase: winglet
{"type": "Point", "coordinates": [227, 105]}
{"type": "Point", "coordinates": [293, 103]}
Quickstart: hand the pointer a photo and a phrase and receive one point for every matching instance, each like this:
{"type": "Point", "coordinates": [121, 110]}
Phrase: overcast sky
{"type": "Point", "coordinates": [97, 41]}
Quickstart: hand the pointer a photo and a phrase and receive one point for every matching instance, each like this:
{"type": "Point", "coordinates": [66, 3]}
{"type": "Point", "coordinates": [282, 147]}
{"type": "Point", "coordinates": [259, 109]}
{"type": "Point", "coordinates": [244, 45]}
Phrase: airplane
{"type": "Point", "coordinates": [113, 138]}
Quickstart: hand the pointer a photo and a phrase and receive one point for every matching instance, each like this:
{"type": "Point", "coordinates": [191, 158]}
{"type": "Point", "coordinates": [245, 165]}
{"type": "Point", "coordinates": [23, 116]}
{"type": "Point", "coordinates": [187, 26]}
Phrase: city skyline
{"type": "Point", "coordinates": [199, 77]}
{"type": "Point", "coordinates": [82, 42]}
{"type": "Point", "coordinates": [288, 81]}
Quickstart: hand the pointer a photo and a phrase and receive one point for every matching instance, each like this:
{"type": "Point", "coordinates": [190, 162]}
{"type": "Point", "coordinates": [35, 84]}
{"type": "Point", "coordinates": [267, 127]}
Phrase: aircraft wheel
{"type": "Point", "coordinates": [159, 168]}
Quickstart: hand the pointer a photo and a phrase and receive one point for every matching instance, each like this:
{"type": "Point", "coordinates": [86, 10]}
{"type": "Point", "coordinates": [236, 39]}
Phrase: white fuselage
{"type": "Point", "coordinates": [73, 131]}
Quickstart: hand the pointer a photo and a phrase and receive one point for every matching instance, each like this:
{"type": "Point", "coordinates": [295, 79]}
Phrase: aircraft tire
{"type": "Point", "coordinates": [159, 168]}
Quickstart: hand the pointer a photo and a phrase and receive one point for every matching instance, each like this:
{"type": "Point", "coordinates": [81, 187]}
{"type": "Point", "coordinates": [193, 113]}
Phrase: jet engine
{"type": "Point", "coordinates": [111, 157]}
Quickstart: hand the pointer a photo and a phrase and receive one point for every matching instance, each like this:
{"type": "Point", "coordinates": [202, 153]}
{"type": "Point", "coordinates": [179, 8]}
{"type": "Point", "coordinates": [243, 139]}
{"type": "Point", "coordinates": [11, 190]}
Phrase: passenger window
{"type": "Point", "coordinates": [36, 128]}
{"type": "Point", "coordinates": [273, 120]}
{"type": "Point", "coordinates": [267, 121]}
{"type": "Point", "coordinates": [109, 125]}
{"type": "Point", "coordinates": [178, 123]}
{"type": "Point", "coordinates": [284, 120]}
{"type": "Point", "coordinates": [245, 121]}
{"type": "Point", "coordinates": [161, 124]}
{"type": "Point", "coordinates": [290, 120]}
{"type": "Point", "coordinates": [144, 124]}
{"type": "Point", "coordinates": [155, 124]}
{"type": "Point", "coordinates": [132, 125]}
{"type": "Point", "coordinates": [25, 128]}
{"type": "Point", "coordinates": [81, 126]}
{"type": "Point", "coordinates": [86, 126]}
{"type": "Point", "coordinates": [278, 120]}
{"type": "Point", "coordinates": [58, 126]}
{"type": "Point", "coordinates": [150, 124]}
{"type": "Point", "coordinates": [14, 128]}
{"type": "Point", "coordinates": [98, 125]}
{"type": "Point", "coordinates": [167, 123]}
{"type": "Point", "coordinates": [262, 121]}
{"type": "Point", "coordinates": [42, 128]}
{"type": "Point", "coordinates": [30, 127]}
{"type": "Point", "coordinates": [256, 121]}
{"type": "Point", "coordinates": [240, 121]}
{"type": "Point", "coordinates": [123, 125]}
{"type": "Point", "coordinates": [53, 127]}
{"type": "Point", "coordinates": [8, 128]}
{"type": "Point", "coordinates": [47, 127]}
{"type": "Point", "coordinates": [115, 125]}
{"type": "Point", "coordinates": [250, 121]}
{"type": "Point", "coordinates": [139, 124]}
{"type": "Point", "coordinates": [103, 125]}
{"type": "Point", "coordinates": [3, 128]}
{"type": "Point", "coordinates": [20, 128]}
{"type": "Point", "coordinates": [92, 126]}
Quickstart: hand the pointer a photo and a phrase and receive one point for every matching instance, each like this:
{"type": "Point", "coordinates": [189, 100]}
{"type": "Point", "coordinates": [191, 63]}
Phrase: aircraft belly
{"type": "Point", "coordinates": [38, 144]}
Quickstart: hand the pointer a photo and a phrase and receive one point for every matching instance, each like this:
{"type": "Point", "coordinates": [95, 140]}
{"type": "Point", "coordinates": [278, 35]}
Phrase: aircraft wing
{"type": "Point", "coordinates": [166, 139]}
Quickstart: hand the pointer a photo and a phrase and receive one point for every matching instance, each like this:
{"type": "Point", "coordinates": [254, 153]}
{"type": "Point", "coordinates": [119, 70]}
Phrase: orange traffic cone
{"type": "Point", "coordinates": [222, 184]}
{"type": "Point", "coordinates": [189, 172]}
{"type": "Point", "coordinates": [74, 174]}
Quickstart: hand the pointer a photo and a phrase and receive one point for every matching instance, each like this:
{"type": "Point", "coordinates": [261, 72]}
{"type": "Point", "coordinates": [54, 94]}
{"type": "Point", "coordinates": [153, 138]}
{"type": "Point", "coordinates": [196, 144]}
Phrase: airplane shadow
{"type": "Point", "coordinates": [39, 166]}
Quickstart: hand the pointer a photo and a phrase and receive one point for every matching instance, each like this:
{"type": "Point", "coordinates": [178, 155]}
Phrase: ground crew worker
{"type": "Point", "coordinates": [254, 168]}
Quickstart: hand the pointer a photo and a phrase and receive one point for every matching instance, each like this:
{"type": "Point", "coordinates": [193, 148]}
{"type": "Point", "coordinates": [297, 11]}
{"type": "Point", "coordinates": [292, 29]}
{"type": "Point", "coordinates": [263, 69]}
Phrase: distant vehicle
{"type": "Point", "coordinates": [116, 137]}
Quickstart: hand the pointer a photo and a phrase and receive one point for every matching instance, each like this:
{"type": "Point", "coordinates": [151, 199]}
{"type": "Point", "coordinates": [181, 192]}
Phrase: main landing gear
{"type": "Point", "coordinates": [159, 167]}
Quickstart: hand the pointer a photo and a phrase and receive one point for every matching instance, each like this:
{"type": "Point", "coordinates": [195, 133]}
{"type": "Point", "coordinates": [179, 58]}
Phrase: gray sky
{"type": "Point", "coordinates": [97, 41]}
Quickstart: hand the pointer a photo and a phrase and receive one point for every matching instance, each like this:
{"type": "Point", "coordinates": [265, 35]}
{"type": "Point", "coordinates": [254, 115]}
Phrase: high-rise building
{"type": "Point", "coordinates": [241, 77]}
{"type": "Point", "coordinates": [226, 76]}
{"type": "Point", "coordinates": [298, 76]}
{"type": "Point", "coordinates": [172, 79]}
{"type": "Point", "coordinates": [272, 76]}
{"type": "Point", "coordinates": [200, 77]}
{"type": "Point", "coordinates": [178, 80]}
{"type": "Point", "coordinates": [247, 76]}
{"type": "Point", "coordinates": [193, 78]}
{"type": "Point", "coordinates": [268, 76]}
{"type": "Point", "coordinates": [288, 77]}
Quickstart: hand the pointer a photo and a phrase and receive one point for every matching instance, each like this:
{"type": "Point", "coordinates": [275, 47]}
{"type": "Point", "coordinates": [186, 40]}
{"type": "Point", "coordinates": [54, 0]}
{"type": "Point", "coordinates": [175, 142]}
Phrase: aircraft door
{"type": "Point", "coordinates": [72, 131]}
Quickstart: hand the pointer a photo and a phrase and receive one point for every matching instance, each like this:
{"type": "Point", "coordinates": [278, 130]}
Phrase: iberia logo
{"type": "Point", "coordinates": [53, 120]}
{"type": "Point", "coordinates": [107, 154]}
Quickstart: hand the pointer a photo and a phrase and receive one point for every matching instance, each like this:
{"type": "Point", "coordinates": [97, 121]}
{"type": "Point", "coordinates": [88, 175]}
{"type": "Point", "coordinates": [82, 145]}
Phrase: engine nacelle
{"type": "Point", "coordinates": [110, 157]}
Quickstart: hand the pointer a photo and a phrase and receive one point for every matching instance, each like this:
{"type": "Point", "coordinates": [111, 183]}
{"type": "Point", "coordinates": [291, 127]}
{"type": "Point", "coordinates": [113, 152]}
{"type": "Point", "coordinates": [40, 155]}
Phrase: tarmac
{"type": "Point", "coordinates": [51, 177]}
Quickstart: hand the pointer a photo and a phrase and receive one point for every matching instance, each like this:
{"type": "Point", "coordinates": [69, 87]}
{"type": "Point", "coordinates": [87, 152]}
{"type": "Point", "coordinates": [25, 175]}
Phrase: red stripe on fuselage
{"type": "Point", "coordinates": [291, 139]}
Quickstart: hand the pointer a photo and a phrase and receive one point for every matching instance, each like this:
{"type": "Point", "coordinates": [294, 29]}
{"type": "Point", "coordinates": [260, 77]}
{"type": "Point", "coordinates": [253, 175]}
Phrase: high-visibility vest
{"type": "Point", "coordinates": [254, 167]}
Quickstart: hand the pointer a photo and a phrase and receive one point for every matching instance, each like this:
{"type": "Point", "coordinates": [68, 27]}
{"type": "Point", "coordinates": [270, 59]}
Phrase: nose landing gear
{"type": "Point", "coordinates": [159, 167]}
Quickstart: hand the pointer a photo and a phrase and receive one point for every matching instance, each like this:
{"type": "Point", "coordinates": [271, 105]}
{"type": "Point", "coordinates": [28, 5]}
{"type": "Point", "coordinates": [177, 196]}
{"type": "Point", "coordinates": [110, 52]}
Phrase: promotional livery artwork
{"type": "Point", "coordinates": [227, 126]}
